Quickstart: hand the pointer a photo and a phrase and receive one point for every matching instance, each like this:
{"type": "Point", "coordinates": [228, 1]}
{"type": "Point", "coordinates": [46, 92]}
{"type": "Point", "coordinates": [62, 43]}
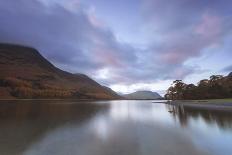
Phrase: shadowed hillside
{"type": "Point", "coordinates": [24, 73]}
{"type": "Point", "coordinates": [143, 95]}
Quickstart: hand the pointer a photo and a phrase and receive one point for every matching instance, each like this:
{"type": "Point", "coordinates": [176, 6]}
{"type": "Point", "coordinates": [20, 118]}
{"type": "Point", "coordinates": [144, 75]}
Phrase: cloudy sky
{"type": "Point", "coordinates": [127, 45]}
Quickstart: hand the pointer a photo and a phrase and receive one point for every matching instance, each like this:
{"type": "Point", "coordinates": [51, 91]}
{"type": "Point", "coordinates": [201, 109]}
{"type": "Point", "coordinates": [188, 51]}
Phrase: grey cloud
{"type": "Point", "coordinates": [65, 37]}
{"type": "Point", "coordinates": [185, 28]}
{"type": "Point", "coordinates": [176, 14]}
{"type": "Point", "coordinates": [227, 69]}
{"type": "Point", "coordinates": [73, 40]}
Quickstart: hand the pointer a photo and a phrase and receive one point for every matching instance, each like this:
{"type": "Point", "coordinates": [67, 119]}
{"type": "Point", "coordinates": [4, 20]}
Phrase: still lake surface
{"type": "Point", "coordinates": [112, 128]}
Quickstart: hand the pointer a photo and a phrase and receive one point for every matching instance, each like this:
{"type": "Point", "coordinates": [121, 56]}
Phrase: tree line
{"type": "Point", "coordinates": [216, 87]}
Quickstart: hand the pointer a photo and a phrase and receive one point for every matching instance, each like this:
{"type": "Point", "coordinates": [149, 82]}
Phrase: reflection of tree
{"type": "Point", "coordinates": [221, 118]}
{"type": "Point", "coordinates": [179, 113]}
{"type": "Point", "coordinates": [23, 122]}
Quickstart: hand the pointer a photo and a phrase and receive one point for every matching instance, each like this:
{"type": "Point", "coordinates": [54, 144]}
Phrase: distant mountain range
{"type": "Point", "coordinates": [143, 95]}
{"type": "Point", "coordinates": [25, 73]}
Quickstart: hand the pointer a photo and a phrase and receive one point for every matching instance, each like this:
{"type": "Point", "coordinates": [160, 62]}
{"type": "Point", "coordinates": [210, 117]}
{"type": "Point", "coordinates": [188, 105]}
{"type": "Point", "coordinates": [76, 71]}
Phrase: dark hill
{"type": "Point", "coordinates": [143, 95]}
{"type": "Point", "coordinates": [230, 75]}
{"type": "Point", "coordinates": [25, 73]}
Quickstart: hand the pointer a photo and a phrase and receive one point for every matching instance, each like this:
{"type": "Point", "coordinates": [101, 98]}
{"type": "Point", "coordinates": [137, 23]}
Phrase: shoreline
{"type": "Point", "coordinates": [214, 104]}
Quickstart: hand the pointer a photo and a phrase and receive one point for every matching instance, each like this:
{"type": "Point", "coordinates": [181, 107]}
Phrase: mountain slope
{"type": "Point", "coordinates": [143, 95]}
{"type": "Point", "coordinates": [230, 75]}
{"type": "Point", "coordinates": [24, 73]}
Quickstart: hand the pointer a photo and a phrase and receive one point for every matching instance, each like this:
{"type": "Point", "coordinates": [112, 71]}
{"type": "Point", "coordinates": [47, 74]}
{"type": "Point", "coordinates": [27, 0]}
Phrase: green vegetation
{"type": "Point", "coordinates": [217, 87]}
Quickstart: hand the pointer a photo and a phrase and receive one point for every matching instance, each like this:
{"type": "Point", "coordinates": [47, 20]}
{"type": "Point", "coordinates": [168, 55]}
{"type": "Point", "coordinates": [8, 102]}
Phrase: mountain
{"type": "Point", "coordinates": [25, 73]}
{"type": "Point", "coordinates": [230, 75]}
{"type": "Point", "coordinates": [143, 95]}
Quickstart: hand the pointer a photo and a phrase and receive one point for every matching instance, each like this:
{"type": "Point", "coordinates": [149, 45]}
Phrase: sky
{"type": "Point", "coordinates": [127, 45]}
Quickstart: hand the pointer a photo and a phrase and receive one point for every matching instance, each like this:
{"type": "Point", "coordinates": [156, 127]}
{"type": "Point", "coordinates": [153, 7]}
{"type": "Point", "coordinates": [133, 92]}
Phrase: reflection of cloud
{"type": "Point", "coordinates": [101, 128]}
{"type": "Point", "coordinates": [137, 111]}
{"type": "Point", "coordinates": [134, 134]}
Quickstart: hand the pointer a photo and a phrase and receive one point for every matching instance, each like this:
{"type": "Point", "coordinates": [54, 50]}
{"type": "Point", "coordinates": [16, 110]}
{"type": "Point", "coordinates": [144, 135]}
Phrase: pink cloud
{"type": "Point", "coordinates": [210, 26]}
{"type": "Point", "coordinates": [95, 21]}
{"type": "Point", "coordinates": [188, 44]}
{"type": "Point", "coordinates": [107, 56]}
{"type": "Point", "coordinates": [173, 56]}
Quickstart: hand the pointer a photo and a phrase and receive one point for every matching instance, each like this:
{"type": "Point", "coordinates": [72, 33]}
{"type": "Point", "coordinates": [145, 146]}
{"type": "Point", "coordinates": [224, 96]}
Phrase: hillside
{"type": "Point", "coordinates": [143, 95]}
{"type": "Point", "coordinates": [25, 73]}
{"type": "Point", "coordinates": [230, 74]}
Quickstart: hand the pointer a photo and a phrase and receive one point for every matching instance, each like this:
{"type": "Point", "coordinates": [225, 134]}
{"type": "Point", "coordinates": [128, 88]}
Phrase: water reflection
{"type": "Point", "coordinates": [141, 111]}
{"type": "Point", "coordinates": [24, 122]}
{"type": "Point", "coordinates": [110, 128]}
{"type": "Point", "coordinates": [222, 118]}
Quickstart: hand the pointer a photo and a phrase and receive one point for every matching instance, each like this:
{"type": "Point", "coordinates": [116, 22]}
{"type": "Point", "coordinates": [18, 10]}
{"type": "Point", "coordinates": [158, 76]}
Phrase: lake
{"type": "Point", "coordinates": [70, 127]}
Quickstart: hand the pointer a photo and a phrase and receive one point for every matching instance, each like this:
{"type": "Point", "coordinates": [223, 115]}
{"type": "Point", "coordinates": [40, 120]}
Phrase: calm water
{"type": "Point", "coordinates": [111, 128]}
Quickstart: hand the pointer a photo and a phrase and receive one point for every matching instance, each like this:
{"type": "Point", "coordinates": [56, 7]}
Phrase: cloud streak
{"type": "Point", "coordinates": [71, 35]}
{"type": "Point", "coordinates": [67, 35]}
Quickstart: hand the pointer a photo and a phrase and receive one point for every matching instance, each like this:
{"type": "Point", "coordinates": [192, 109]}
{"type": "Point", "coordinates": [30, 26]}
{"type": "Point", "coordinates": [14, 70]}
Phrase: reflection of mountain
{"type": "Point", "coordinates": [22, 123]}
{"type": "Point", "coordinates": [222, 118]}
{"type": "Point", "coordinates": [24, 73]}
{"type": "Point", "coordinates": [143, 95]}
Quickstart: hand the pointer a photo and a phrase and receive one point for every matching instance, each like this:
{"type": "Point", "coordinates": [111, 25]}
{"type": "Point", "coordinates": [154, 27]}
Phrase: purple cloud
{"type": "Point", "coordinates": [73, 37]}
{"type": "Point", "coordinates": [184, 29]}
